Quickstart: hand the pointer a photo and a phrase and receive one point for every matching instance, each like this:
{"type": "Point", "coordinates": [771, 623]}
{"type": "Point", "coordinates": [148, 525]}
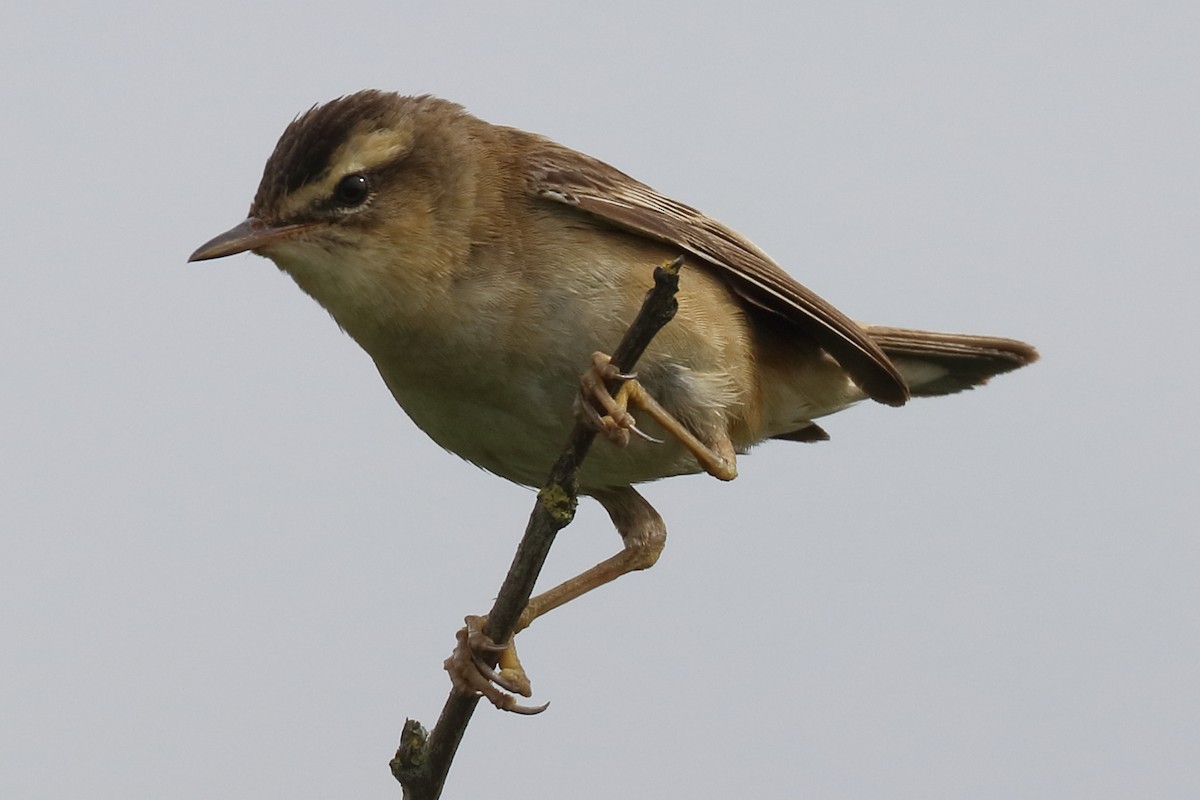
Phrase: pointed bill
{"type": "Point", "coordinates": [250, 234]}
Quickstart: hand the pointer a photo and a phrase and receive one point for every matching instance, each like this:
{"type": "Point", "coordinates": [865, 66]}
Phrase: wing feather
{"type": "Point", "coordinates": [562, 175]}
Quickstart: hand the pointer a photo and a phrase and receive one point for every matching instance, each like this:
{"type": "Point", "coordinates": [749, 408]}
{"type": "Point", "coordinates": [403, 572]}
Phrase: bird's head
{"type": "Point", "coordinates": [368, 195]}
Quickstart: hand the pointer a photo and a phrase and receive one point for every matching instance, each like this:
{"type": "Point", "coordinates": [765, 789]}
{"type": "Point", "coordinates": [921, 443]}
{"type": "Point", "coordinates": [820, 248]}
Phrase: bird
{"type": "Point", "coordinates": [485, 269]}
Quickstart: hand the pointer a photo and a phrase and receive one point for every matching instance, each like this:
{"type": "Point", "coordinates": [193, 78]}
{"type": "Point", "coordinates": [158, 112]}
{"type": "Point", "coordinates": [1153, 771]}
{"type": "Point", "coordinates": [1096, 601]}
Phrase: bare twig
{"type": "Point", "coordinates": [423, 760]}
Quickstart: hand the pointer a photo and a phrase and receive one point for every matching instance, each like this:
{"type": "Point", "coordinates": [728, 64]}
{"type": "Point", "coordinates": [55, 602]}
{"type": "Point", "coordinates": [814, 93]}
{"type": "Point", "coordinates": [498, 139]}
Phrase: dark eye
{"type": "Point", "coordinates": [352, 191]}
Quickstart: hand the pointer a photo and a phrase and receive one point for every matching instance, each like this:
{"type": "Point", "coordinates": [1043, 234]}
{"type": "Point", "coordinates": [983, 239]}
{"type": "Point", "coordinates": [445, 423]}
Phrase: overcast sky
{"type": "Point", "coordinates": [230, 566]}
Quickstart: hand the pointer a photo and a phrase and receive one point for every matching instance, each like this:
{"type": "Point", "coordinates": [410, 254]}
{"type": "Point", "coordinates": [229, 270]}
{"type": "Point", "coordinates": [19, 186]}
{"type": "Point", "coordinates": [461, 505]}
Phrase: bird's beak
{"type": "Point", "coordinates": [251, 234]}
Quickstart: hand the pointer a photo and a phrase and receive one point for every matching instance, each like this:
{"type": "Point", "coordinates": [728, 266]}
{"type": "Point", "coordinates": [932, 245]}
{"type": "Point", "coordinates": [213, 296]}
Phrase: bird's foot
{"type": "Point", "coordinates": [608, 413]}
{"type": "Point", "coordinates": [472, 674]}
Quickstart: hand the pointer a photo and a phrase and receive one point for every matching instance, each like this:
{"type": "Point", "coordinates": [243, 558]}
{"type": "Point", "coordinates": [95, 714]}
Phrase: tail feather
{"type": "Point", "coordinates": [936, 363]}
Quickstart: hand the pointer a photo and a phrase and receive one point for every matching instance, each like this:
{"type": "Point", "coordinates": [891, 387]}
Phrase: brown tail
{"type": "Point", "coordinates": [943, 363]}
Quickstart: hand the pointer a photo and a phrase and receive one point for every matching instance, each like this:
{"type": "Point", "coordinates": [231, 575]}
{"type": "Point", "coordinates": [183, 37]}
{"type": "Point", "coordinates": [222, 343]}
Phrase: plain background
{"type": "Point", "coordinates": [231, 567]}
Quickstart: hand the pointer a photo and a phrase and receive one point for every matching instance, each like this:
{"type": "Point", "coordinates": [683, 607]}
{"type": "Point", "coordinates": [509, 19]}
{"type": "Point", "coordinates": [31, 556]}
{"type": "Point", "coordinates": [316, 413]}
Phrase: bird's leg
{"type": "Point", "coordinates": [616, 422]}
{"type": "Point", "coordinates": [643, 535]}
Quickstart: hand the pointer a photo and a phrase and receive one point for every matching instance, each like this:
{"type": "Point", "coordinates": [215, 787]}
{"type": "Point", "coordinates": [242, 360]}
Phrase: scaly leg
{"type": "Point", "coordinates": [640, 526]}
{"type": "Point", "coordinates": [643, 535]}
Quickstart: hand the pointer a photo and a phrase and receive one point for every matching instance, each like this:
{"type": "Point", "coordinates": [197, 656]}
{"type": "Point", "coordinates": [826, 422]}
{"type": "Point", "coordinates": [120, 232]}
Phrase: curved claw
{"type": "Point", "coordinates": [528, 711]}
{"type": "Point", "coordinates": [517, 684]}
{"type": "Point", "coordinates": [645, 435]}
{"type": "Point", "coordinates": [602, 364]}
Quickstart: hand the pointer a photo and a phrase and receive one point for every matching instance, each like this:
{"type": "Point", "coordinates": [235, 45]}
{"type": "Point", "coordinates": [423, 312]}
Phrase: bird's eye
{"type": "Point", "coordinates": [352, 191]}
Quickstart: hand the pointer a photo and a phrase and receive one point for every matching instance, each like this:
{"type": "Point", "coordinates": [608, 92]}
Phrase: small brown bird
{"type": "Point", "coordinates": [482, 267]}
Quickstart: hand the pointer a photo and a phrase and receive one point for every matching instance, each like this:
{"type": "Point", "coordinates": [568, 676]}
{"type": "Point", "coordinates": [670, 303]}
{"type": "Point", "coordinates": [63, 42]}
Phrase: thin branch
{"type": "Point", "coordinates": [423, 760]}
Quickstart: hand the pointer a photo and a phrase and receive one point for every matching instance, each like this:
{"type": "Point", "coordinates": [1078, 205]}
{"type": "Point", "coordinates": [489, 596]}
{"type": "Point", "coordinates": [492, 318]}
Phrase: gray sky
{"type": "Point", "coordinates": [231, 567]}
